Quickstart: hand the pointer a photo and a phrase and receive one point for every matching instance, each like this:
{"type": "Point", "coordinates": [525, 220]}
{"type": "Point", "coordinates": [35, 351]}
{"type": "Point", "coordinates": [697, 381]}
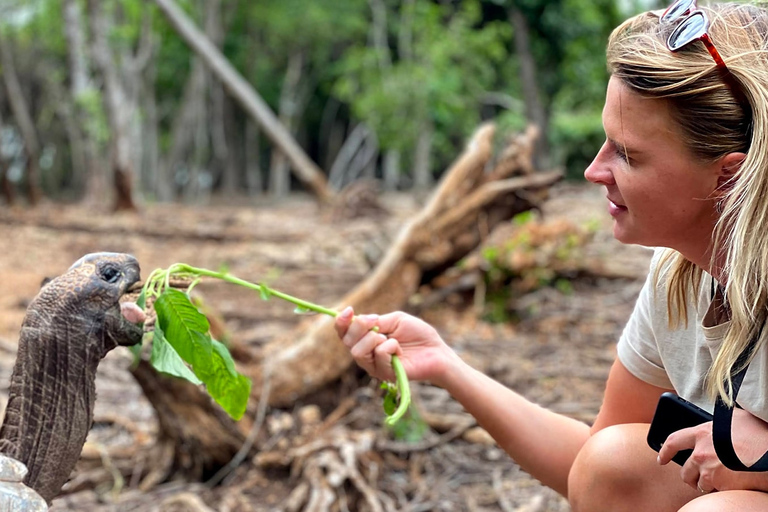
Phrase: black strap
{"type": "Point", "coordinates": [723, 419]}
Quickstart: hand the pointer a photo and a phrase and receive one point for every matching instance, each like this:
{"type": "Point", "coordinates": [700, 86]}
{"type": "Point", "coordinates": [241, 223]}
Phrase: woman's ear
{"type": "Point", "coordinates": [729, 166]}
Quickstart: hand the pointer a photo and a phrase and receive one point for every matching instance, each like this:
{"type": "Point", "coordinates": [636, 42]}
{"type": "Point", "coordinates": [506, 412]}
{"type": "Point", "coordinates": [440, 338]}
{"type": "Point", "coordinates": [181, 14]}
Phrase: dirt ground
{"type": "Point", "coordinates": [557, 352]}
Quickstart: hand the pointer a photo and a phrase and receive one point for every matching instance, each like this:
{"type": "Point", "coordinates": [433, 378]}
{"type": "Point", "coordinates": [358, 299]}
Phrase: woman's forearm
{"type": "Point", "coordinates": [542, 442]}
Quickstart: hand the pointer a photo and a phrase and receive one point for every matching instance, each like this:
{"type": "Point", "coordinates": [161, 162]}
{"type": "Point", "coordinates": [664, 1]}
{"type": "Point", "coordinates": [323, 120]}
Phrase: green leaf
{"type": "Point", "coordinates": [264, 291]}
{"type": "Point", "coordinates": [141, 301]}
{"type": "Point", "coordinates": [185, 328]}
{"type": "Point", "coordinates": [301, 310]}
{"type": "Point", "coordinates": [166, 360]}
{"type": "Point", "coordinates": [390, 403]}
{"type": "Point", "coordinates": [186, 331]}
{"type": "Point", "coordinates": [223, 352]}
{"type": "Point", "coordinates": [230, 390]}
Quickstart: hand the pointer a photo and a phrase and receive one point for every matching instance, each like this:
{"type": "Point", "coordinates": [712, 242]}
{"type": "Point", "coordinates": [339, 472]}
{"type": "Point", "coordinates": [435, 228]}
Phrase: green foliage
{"type": "Point", "coordinates": [411, 428]}
{"type": "Point", "coordinates": [534, 255]}
{"type": "Point", "coordinates": [97, 125]}
{"type": "Point", "coordinates": [576, 138]}
{"type": "Point", "coordinates": [166, 360]}
{"type": "Point", "coordinates": [436, 66]}
{"type": "Point", "coordinates": [452, 62]}
{"type": "Point", "coordinates": [390, 398]}
{"type": "Point", "coordinates": [181, 334]}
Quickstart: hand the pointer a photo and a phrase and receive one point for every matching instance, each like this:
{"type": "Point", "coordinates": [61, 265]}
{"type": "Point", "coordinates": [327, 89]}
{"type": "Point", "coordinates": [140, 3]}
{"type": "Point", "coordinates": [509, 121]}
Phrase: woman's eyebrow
{"type": "Point", "coordinates": [624, 148]}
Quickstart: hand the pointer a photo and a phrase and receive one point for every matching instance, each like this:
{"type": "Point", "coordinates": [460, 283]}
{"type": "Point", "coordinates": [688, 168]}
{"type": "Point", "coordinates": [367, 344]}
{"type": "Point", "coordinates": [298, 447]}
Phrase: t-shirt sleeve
{"type": "Point", "coordinates": [638, 347]}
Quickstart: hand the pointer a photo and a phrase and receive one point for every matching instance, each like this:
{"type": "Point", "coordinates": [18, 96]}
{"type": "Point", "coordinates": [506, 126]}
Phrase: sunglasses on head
{"type": "Point", "coordinates": [693, 27]}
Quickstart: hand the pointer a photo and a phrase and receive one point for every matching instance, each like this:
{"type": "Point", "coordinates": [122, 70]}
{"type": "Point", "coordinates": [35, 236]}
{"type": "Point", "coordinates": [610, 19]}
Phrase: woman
{"type": "Point", "coordinates": [685, 168]}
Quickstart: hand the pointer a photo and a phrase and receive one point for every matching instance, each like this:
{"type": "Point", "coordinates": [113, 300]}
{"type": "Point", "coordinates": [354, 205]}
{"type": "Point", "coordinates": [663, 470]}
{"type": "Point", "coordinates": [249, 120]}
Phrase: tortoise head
{"type": "Point", "coordinates": [90, 291]}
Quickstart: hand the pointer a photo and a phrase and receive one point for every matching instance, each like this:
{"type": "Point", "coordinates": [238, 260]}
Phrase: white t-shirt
{"type": "Point", "coordinates": [680, 359]}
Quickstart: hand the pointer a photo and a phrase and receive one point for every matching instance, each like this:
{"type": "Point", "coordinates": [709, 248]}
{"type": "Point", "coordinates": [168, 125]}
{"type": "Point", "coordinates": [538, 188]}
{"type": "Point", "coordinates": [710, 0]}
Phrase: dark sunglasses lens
{"type": "Point", "coordinates": [691, 29]}
{"type": "Point", "coordinates": [676, 10]}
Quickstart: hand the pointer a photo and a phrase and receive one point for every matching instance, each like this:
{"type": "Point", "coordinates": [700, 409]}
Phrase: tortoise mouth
{"type": "Point", "coordinates": [132, 312]}
{"type": "Point", "coordinates": [130, 329]}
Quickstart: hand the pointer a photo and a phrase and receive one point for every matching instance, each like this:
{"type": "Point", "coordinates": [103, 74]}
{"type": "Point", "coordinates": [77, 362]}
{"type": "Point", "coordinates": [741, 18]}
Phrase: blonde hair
{"type": "Point", "coordinates": [715, 120]}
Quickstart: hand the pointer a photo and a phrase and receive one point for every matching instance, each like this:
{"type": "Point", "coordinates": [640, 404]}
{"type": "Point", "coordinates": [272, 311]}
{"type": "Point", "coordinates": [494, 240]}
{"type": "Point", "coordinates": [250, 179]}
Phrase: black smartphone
{"type": "Point", "coordinates": [672, 414]}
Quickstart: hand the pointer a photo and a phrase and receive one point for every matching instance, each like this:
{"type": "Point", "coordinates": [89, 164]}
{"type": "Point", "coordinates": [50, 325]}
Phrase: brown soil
{"type": "Point", "coordinates": [557, 352]}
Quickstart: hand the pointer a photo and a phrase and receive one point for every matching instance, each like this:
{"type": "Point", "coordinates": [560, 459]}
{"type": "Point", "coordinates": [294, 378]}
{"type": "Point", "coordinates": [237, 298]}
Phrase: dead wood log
{"type": "Point", "coordinates": [195, 436]}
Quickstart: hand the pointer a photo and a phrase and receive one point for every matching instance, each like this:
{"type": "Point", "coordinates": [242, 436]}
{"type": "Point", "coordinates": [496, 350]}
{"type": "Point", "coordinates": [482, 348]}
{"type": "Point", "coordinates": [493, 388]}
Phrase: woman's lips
{"type": "Point", "coordinates": [615, 209]}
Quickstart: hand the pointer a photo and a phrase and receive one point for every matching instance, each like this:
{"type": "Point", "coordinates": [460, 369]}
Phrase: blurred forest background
{"type": "Point", "coordinates": [104, 95]}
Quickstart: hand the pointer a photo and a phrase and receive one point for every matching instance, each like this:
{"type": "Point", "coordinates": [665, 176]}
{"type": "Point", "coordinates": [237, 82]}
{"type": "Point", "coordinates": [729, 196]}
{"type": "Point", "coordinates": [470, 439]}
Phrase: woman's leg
{"type": "Point", "coordinates": [616, 471]}
{"type": "Point", "coordinates": [729, 501]}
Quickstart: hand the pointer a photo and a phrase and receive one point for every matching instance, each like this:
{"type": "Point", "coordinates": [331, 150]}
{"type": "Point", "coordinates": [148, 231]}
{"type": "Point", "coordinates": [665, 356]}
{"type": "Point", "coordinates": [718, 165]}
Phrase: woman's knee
{"type": "Point", "coordinates": [728, 501]}
{"type": "Point", "coordinates": [610, 469]}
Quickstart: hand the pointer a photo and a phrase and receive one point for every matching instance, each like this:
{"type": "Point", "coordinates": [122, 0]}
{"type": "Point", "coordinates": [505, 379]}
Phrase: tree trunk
{"type": "Point", "coordinates": [81, 90]}
{"type": "Point", "coordinates": [289, 109]}
{"type": "Point", "coordinates": [306, 170]}
{"type": "Point", "coordinates": [198, 188]}
{"type": "Point", "coordinates": [253, 175]}
{"type": "Point", "coordinates": [341, 169]}
{"type": "Point", "coordinates": [24, 121]}
{"type": "Point", "coordinates": [392, 171]}
{"type": "Point", "coordinates": [6, 187]}
{"type": "Point", "coordinates": [121, 86]}
{"type": "Point", "coordinates": [422, 158]}
{"type": "Point", "coordinates": [184, 129]}
{"type": "Point", "coordinates": [223, 164]}
{"type": "Point", "coordinates": [150, 176]}
{"type": "Point", "coordinates": [116, 104]}
{"type": "Point", "coordinates": [534, 110]}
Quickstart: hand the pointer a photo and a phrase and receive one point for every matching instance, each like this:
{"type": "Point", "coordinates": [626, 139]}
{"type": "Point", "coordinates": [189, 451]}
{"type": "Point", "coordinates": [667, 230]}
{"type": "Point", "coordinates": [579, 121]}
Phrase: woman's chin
{"type": "Point", "coordinates": [624, 235]}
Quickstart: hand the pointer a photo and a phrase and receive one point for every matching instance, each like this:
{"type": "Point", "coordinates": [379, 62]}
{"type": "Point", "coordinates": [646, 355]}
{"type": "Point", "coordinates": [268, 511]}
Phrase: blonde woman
{"type": "Point", "coordinates": [685, 169]}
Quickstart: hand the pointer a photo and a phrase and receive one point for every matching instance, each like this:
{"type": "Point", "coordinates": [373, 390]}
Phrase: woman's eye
{"type": "Point", "coordinates": [621, 154]}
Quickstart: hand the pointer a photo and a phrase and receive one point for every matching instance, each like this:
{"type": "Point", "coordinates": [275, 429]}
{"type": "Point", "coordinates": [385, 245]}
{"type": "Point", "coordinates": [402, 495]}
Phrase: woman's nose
{"type": "Point", "coordinates": [599, 171]}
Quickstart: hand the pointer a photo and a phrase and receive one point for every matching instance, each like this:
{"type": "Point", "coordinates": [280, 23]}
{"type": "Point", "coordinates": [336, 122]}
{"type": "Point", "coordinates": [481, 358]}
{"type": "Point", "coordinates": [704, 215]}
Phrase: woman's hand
{"type": "Point", "coordinates": [704, 471]}
{"type": "Point", "coordinates": [424, 355]}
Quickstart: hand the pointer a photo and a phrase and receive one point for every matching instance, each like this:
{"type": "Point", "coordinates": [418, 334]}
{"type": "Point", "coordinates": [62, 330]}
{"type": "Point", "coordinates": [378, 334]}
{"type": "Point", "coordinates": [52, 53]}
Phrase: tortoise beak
{"type": "Point", "coordinates": [131, 274]}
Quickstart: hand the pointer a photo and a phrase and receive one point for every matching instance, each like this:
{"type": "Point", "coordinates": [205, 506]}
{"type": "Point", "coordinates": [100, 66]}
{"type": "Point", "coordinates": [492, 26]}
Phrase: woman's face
{"type": "Point", "coordinates": [658, 193]}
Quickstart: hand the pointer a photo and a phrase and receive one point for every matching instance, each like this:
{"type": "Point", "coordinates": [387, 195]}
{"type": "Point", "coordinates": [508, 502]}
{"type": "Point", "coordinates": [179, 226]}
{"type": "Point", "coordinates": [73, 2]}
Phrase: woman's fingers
{"type": "Point", "coordinates": [362, 350]}
{"type": "Point", "coordinates": [684, 439]}
{"type": "Point", "coordinates": [384, 351]}
{"type": "Point", "coordinates": [343, 321]}
{"type": "Point", "coordinates": [356, 328]}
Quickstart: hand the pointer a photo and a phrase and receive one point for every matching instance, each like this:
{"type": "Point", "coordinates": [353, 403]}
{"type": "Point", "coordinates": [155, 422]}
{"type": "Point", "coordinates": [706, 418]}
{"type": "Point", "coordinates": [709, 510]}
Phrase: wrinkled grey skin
{"type": "Point", "coordinates": [69, 327]}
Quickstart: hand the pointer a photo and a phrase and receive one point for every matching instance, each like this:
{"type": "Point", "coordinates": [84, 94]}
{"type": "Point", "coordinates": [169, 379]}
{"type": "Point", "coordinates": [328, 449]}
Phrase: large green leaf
{"type": "Point", "coordinates": [166, 360]}
{"type": "Point", "coordinates": [230, 390]}
{"type": "Point", "coordinates": [185, 328]}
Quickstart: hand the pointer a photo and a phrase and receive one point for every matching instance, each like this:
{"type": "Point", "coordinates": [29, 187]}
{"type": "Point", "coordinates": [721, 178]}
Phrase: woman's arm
{"type": "Point", "coordinates": [544, 443]}
{"type": "Point", "coordinates": [627, 399]}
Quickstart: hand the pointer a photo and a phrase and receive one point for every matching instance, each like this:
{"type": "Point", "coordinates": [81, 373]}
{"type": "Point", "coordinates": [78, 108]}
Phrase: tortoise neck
{"type": "Point", "coordinates": [50, 404]}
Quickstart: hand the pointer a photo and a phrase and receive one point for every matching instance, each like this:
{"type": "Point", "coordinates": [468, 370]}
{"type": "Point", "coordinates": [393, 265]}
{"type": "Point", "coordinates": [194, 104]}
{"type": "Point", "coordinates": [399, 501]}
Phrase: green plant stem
{"type": "Point", "coordinates": [405, 392]}
{"type": "Point", "coordinates": [186, 269]}
{"type": "Point", "coordinates": [182, 269]}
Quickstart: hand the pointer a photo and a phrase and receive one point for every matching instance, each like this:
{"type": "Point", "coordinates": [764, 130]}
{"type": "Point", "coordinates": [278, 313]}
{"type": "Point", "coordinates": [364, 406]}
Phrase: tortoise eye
{"type": "Point", "coordinates": [110, 275]}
